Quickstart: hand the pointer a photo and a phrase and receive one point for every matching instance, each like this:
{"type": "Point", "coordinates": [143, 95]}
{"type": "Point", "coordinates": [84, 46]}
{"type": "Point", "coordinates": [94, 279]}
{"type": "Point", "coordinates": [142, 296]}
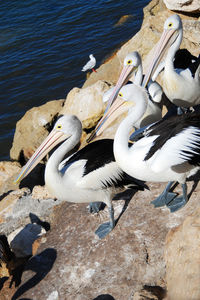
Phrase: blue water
{"type": "Point", "coordinates": [44, 44]}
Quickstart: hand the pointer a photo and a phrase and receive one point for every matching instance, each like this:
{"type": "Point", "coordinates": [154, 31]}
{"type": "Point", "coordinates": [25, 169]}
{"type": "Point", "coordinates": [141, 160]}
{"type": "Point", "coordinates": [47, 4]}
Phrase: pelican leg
{"type": "Point", "coordinates": [166, 197]}
{"type": "Point", "coordinates": [95, 207]}
{"type": "Point", "coordinates": [180, 201]}
{"type": "Point", "coordinates": [107, 227]}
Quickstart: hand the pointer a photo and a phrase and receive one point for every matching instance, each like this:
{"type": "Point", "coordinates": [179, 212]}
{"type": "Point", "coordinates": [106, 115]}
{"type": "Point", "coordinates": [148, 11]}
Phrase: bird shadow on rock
{"type": "Point", "coordinates": [127, 195]}
{"type": "Point", "coordinates": [40, 264]}
{"type": "Point", "coordinates": [104, 297]}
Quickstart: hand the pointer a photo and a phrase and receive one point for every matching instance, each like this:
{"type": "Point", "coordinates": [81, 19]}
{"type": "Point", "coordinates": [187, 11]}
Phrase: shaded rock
{"type": "Point", "coordinates": [86, 103]}
{"type": "Point", "coordinates": [191, 6]}
{"type": "Point", "coordinates": [21, 240]}
{"type": "Point", "coordinates": [120, 265]}
{"type": "Point", "coordinates": [32, 129]}
{"type": "Point", "coordinates": [182, 258]}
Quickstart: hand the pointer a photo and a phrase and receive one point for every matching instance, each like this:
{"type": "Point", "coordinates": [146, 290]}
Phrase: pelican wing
{"type": "Point", "coordinates": [177, 144]}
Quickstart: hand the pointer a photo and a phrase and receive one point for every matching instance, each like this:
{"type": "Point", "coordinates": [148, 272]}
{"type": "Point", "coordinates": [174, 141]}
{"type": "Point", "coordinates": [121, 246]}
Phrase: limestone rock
{"type": "Point", "coordinates": [40, 192]}
{"type": "Point", "coordinates": [129, 259]}
{"type": "Point", "coordinates": [86, 103]}
{"type": "Point", "coordinates": [8, 171]}
{"type": "Point", "coordinates": [182, 258]}
{"type": "Point", "coordinates": [191, 6]}
{"type": "Point", "coordinates": [31, 129]}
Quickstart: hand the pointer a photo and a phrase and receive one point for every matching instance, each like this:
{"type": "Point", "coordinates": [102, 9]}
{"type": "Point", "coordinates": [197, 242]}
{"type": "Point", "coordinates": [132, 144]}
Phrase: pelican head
{"type": "Point", "coordinates": [131, 63]}
{"type": "Point", "coordinates": [129, 96]}
{"type": "Point", "coordinates": [66, 127]}
{"type": "Point", "coordinates": [172, 29]}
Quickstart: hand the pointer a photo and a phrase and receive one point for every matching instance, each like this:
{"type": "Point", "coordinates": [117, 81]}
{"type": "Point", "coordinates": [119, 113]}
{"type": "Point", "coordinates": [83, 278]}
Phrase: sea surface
{"type": "Point", "coordinates": [44, 44]}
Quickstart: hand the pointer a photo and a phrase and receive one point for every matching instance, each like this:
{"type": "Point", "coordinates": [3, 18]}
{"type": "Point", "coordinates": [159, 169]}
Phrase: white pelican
{"type": "Point", "coordinates": [181, 86]}
{"type": "Point", "coordinates": [90, 64]}
{"type": "Point", "coordinates": [132, 63]}
{"type": "Point", "coordinates": [169, 151]}
{"type": "Point", "coordinates": [89, 175]}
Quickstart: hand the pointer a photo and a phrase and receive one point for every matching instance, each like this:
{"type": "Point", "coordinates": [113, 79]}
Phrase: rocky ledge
{"type": "Point", "coordinates": [48, 249]}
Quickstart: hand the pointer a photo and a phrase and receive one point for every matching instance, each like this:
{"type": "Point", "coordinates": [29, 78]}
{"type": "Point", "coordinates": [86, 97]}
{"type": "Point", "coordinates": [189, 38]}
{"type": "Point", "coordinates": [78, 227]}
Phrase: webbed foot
{"type": "Point", "coordinates": [176, 204]}
{"type": "Point", "coordinates": [163, 199]}
{"type": "Point", "coordinates": [104, 229]}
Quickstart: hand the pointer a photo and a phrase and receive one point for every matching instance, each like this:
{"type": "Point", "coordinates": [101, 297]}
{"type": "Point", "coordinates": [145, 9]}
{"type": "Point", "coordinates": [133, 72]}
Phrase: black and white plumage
{"type": "Point", "coordinates": [181, 85]}
{"type": "Point", "coordinates": [90, 64]}
{"type": "Point", "coordinates": [89, 175]}
{"type": "Point", "coordinates": [169, 150]}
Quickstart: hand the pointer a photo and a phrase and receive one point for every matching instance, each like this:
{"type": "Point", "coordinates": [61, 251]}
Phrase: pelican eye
{"type": "Point", "coordinates": [120, 95]}
{"type": "Point", "coordinates": [59, 127]}
{"type": "Point", "coordinates": [129, 62]}
{"type": "Point", "coordinates": [170, 25]}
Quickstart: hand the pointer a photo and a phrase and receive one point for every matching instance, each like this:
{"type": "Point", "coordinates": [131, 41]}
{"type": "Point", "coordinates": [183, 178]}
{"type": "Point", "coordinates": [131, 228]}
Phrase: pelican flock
{"type": "Point", "coordinates": [168, 151]}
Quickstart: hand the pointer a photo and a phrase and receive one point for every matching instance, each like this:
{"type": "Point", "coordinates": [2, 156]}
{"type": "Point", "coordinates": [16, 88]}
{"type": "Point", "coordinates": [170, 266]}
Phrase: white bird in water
{"type": "Point", "coordinates": [168, 152]}
{"type": "Point", "coordinates": [90, 64]}
{"type": "Point", "coordinates": [89, 175]}
{"type": "Point", "coordinates": [181, 86]}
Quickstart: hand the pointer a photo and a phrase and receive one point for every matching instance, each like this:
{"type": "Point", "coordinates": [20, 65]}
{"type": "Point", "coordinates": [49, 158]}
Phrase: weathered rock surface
{"type": "Point", "coordinates": [33, 128]}
{"type": "Point", "coordinates": [191, 6]}
{"type": "Point", "coordinates": [86, 103]}
{"type": "Point", "coordinates": [8, 172]}
{"type": "Point", "coordinates": [182, 258]}
{"type": "Point", "coordinates": [74, 264]}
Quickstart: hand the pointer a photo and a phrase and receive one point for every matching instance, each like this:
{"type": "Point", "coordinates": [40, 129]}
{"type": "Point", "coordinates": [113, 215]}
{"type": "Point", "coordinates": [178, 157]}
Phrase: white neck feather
{"type": "Point", "coordinates": [122, 135]}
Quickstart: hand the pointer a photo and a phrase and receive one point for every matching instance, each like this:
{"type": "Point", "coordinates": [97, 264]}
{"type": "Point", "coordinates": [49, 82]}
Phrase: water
{"type": "Point", "coordinates": [44, 44]}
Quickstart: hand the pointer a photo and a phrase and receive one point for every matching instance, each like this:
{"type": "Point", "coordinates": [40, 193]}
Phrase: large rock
{"type": "Point", "coordinates": [33, 128]}
{"type": "Point", "coordinates": [73, 263]}
{"type": "Point", "coordinates": [182, 258]}
{"type": "Point", "coordinates": [86, 103]}
{"type": "Point", "coordinates": [189, 6]}
{"type": "Point", "coordinates": [8, 172]}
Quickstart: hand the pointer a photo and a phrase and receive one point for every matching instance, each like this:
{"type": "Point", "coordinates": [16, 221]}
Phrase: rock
{"type": "Point", "coordinates": [86, 103]}
{"type": "Point", "coordinates": [21, 240]}
{"type": "Point", "coordinates": [128, 260]}
{"type": "Point", "coordinates": [40, 192]}
{"type": "Point", "coordinates": [33, 128]}
{"type": "Point", "coordinates": [182, 259]}
{"type": "Point", "coordinates": [189, 6]}
{"type": "Point", "coordinates": [8, 172]}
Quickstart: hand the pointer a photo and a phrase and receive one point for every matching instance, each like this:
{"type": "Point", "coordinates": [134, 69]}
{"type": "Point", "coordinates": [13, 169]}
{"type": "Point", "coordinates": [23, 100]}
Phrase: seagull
{"type": "Point", "coordinates": [169, 150]}
{"type": "Point", "coordinates": [90, 64]}
{"type": "Point", "coordinates": [181, 86]}
{"type": "Point", "coordinates": [89, 175]}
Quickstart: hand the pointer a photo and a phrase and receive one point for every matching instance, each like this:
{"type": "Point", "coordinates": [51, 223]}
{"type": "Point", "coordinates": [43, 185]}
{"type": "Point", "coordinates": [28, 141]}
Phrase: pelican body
{"type": "Point", "coordinates": [90, 64]}
{"type": "Point", "coordinates": [181, 86]}
{"type": "Point", "coordinates": [168, 151]}
{"type": "Point", "coordinates": [89, 175]}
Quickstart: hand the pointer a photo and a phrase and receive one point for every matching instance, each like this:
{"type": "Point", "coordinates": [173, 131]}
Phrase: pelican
{"type": "Point", "coordinates": [132, 63]}
{"type": "Point", "coordinates": [181, 86]}
{"type": "Point", "coordinates": [90, 64]}
{"type": "Point", "coordinates": [168, 152]}
{"type": "Point", "coordinates": [89, 175]}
